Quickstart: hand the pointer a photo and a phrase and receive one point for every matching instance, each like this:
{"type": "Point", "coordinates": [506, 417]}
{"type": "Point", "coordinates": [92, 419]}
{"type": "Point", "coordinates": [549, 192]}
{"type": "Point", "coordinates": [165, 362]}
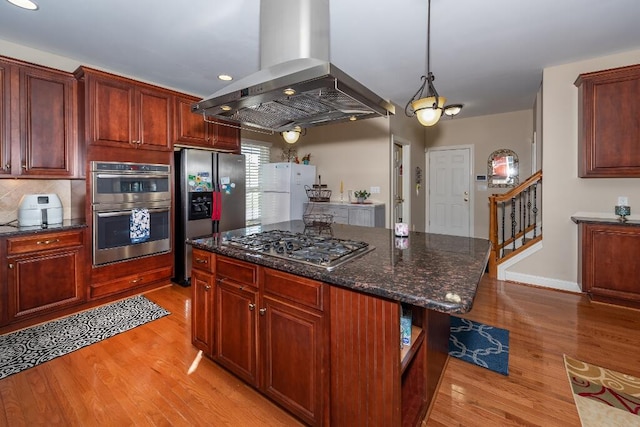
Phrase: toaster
{"type": "Point", "coordinates": [39, 209]}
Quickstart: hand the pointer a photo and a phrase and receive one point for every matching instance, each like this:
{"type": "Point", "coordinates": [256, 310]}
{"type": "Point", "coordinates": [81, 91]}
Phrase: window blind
{"type": "Point", "coordinates": [256, 154]}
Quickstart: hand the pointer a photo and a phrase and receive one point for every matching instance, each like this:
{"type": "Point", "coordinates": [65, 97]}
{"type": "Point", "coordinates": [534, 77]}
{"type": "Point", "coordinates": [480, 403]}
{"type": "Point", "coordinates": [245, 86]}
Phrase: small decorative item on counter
{"type": "Point", "coordinates": [361, 195]}
{"type": "Point", "coordinates": [306, 158]}
{"type": "Point", "coordinates": [401, 229]}
{"type": "Point", "coordinates": [623, 212]}
{"type": "Point", "coordinates": [402, 243]}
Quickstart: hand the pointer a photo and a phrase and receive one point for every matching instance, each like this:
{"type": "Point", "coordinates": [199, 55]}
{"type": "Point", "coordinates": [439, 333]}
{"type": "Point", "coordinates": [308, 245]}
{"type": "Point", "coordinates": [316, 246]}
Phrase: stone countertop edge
{"type": "Point", "coordinates": [603, 220]}
{"type": "Point", "coordinates": [434, 271]}
{"type": "Point", "coordinates": [12, 231]}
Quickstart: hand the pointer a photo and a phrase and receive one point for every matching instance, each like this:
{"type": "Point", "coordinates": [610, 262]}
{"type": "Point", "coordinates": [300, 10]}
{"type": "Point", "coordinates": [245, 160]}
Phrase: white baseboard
{"type": "Point", "coordinates": [547, 282]}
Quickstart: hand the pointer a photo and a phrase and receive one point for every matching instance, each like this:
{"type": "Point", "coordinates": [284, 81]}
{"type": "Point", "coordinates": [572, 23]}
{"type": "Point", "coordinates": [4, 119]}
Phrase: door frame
{"type": "Point", "coordinates": [406, 181]}
{"type": "Point", "coordinates": [472, 189]}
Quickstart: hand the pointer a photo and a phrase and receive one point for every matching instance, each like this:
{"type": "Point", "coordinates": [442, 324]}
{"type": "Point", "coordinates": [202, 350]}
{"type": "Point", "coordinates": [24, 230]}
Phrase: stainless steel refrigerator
{"type": "Point", "coordinates": [210, 196]}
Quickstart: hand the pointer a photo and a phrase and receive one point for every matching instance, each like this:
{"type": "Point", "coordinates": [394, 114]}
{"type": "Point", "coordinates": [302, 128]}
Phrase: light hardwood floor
{"type": "Point", "coordinates": [140, 377]}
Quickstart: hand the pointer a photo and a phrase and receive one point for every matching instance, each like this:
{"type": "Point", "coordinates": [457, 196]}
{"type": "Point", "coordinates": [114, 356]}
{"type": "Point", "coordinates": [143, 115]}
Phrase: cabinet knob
{"type": "Point", "coordinates": [262, 311]}
{"type": "Point", "coordinates": [251, 306]}
{"type": "Point", "coordinates": [24, 167]}
{"type": "Point", "coordinates": [207, 287]}
{"type": "Point", "coordinates": [135, 280]}
{"type": "Point", "coordinates": [7, 166]}
{"type": "Point", "coordinates": [11, 266]}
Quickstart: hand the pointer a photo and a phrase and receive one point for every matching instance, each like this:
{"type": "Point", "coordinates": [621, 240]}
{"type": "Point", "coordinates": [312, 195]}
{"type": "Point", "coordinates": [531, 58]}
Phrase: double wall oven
{"type": "Point", "coordinates": [131, 208]}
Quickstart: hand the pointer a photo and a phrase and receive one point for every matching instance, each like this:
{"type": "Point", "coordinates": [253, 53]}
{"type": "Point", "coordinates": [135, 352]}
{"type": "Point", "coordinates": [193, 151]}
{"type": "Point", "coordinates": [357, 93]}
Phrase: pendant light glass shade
{"type": "Point", "coordinates": [292, 136]}
{"type": "Point", "coordinates": [426, 110]}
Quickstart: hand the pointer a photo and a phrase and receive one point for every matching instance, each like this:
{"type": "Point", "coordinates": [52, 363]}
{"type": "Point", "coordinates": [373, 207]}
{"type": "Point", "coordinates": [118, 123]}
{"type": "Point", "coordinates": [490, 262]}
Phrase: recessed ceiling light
{"type": "Point", "coordinates": [225, 77]}
{"type": "Point", "coordinates": [25, 4]}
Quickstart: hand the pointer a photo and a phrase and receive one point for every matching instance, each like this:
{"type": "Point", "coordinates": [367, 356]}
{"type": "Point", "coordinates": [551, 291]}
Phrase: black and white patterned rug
{"type": "Point", "coordinates": [29, 347]}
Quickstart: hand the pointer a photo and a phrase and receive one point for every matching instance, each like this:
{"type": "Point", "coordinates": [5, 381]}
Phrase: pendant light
{"type": "Point", "coordinates": [292, 136]}
{"type": "Point", "coordinates": [428, 108]}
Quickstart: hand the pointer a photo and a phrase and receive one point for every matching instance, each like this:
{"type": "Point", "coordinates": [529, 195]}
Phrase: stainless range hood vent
{"type": "Point", "coordinates": [323, 93]}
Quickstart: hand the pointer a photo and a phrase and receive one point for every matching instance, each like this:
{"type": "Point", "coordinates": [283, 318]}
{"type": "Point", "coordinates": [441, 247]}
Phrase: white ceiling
{"type": "Point", "coordinates": [488, 55]}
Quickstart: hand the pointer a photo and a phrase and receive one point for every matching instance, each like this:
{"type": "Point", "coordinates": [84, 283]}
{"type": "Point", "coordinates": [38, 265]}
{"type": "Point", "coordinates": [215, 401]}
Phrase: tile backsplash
{"type": "Point", "coordinates": [12, 190]}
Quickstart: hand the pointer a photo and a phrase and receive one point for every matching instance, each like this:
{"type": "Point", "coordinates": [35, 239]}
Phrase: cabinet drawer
{"type": "Point", "coordinates": [130, 282]}
{"type": "Point", "coordinates": [202, 260]}
{"type": "Point", "coordinates": [239, 271]}
{"type": "Point", "coordinates": [295, 289]}
{"type": "Point", "coordinates": [44, 241]}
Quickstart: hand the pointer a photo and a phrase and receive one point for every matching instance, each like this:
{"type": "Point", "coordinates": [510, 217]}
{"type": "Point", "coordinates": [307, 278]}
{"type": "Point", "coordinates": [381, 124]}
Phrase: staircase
{"type": "Point", "coordinates": [515, 221]}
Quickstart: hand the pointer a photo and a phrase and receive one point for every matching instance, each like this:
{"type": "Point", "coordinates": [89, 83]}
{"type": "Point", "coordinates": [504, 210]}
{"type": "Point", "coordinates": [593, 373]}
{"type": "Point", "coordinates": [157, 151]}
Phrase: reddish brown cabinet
{"type": "Point", "coordinates": [38, 130]}
{"type": "Point", "coordinates": [608, 265]}
{"type": "Point", "coordinates": [191, 130]}
{"type": "Point", "coordinates": [202, 300]}
{"type": "Point", "coordinates": [45, 273]}
{"type": "Point", "coordinates": [120, 112]}
{"type": "Point", "coordinates": [609, 129]}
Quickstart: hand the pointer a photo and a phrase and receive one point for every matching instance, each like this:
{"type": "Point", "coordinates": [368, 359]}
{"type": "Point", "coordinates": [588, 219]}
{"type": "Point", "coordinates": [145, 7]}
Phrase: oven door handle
{"type": "Point", "coordinates": [121, 212]}
{"type": "Point", "coordinates": [132, 175]}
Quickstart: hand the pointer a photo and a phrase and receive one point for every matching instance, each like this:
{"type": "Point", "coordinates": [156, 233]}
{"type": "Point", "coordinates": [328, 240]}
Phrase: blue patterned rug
{"type": "Point", "coordinates": [480, 344]}
{"type": "Point", "coordinates": [29, 347]}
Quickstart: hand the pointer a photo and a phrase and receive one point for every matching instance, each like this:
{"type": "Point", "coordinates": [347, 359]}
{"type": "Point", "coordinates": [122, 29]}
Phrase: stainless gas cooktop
{"type": "Point", "coordinates": [320, 251]}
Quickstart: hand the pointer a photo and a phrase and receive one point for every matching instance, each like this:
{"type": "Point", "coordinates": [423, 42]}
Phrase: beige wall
{"type": "Point", "coordinates": [564, 194]}
{"type": "Point", "coordinates": [486, 133]}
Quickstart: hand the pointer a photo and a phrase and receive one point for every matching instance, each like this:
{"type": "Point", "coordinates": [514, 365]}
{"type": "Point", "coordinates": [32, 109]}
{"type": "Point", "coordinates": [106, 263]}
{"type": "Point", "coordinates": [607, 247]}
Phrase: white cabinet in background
{"type": "Point", "coordinates": [367, 215]}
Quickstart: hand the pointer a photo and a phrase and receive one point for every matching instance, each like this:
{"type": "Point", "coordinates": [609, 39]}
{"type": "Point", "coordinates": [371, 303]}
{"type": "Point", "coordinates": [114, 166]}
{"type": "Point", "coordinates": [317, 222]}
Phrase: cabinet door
{"type": "Point", "coordinates": [202, 295]}
{"type": "Point", "coordinates": [361, 216]}
{"type": "Point", "coordinates": [5, 135]}
{"type": "Point", "coordinates": [48, 135]}
{"type": "Point", "coordinates": [40, 283]}
{"type": "Point", "coordinates": [227, 138]}
{"type": "Point", "coordinates": [154, 119]}
{"type": "Point", "coordinates": [190, 128]}
{"type": "Point", "coordinates": [112, 112]}
{"type": "Point", "coordinates": [235, 334]}
{"type": "Point", "coordinates": [293, 359]}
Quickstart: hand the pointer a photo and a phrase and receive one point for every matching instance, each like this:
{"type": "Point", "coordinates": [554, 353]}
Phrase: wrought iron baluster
{"type": "Point", "coordinates": [513, 222]}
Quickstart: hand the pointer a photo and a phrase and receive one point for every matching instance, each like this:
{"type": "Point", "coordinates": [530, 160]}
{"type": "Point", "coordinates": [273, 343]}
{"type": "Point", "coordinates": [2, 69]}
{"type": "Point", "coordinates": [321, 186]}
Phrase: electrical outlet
{"type": "Point", "coordinates": [375, 190]}
{"type": "Point", "coordinates": [623, 201]}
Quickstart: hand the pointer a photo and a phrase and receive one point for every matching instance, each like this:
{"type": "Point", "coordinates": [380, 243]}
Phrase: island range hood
{"type": "Point", "coordinates": [296, 84]}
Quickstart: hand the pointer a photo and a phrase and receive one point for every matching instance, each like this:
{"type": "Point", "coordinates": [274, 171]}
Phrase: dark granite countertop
{"type": "Point", "coordinates": [600, 220]}
{"type": "Point", "coordinates": [435, 271]}
{"type": "Point", "coordinates": [10, 230]}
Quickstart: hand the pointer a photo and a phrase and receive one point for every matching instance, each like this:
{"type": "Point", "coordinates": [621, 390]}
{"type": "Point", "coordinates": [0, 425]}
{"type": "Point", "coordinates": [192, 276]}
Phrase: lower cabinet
{"type": "Point", "coordinates": [365, 215]}
{"type": "Point", "coordinates": [45, 273]}
{"type": "Point", "coordinates": [608, 268]}
{"type": "Point", "coordinates": [268, 328]}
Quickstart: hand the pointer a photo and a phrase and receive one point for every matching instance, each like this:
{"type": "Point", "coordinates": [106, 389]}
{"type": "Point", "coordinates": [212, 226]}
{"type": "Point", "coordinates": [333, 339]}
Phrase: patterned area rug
{"type": "Point", "coordinates": [604, 398]}
{"type": "Point", "coordinates": [480, 344]}
{"type": "Point", "coordinates": [29, 347]}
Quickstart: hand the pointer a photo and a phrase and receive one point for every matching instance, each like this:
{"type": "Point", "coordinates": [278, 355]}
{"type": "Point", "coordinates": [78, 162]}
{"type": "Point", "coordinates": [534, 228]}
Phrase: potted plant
{"type": "Point", "coordinates": [361, 195]}
{"type": "Point", "coordinates": [306, 158]}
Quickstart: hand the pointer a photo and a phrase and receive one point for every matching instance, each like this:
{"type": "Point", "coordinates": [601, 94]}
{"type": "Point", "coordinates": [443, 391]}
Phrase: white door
{"type": "Point", "coordinates": [449, 192]}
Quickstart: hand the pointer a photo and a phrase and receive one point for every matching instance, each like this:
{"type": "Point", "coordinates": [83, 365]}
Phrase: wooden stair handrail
{"type": "Point", "coordinates": [494, 199]}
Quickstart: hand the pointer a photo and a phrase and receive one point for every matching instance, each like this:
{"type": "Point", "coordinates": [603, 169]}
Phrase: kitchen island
{"type": "Point", "coordinates": [326, 344]}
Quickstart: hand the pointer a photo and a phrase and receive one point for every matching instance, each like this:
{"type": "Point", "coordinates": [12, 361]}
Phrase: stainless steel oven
{"type": "Point", "coordinates": [131, 204]}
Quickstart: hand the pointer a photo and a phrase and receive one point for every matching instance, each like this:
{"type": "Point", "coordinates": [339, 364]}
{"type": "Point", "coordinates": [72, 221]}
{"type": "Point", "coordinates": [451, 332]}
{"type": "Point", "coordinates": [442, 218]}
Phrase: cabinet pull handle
{"type": "Point", "coordinates": [201, 261]}
{"type": "Point", "coordinates": [135, 280]}
{"type": "Point", "coordinates": [251, 306]}
{"type": "Point", "coordinates": [262, 311]}
{"type": "Point", "coordinates": [207, 287]}
{"type": "Point", "coordinates": [47, 242]}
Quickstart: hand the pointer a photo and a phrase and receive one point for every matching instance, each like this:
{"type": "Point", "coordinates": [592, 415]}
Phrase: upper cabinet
{"type": "Point", "coordinates": [608, 125]}
{"type": "Point", "coordinates": [191, 130]}
{"type": "Point", "coordinates": [124, 113]}
{"type": "Point", "coordinates": [38, 136]}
